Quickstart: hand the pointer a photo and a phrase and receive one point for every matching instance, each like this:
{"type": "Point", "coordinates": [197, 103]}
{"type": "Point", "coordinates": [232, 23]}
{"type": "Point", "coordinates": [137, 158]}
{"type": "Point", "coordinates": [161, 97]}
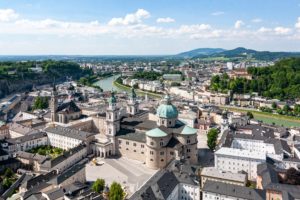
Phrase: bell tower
{"type": "Point", "coordinates": [132, 104]}
{"type": "Point", "coordinates": [54, 104]}
{"type": "Point", "coordinates": [112, 116]}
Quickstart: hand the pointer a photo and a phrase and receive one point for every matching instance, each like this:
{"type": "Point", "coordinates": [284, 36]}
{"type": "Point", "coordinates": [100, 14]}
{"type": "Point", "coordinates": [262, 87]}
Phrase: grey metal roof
{"type": "Point", "coordinates": [131, 135]}
{"type": "Point", "coordinates": [55, 193]}
{"type": "Point", "coordinates": [233, 190]}
{"type": "Point", "coordinates": [68, 173]}
{"type": "Point", "coordinates": [26, 138]}
{"type": "Point", "coordinates": [68, 132]}
{"type": "Point", "coordinates": [162, 184]}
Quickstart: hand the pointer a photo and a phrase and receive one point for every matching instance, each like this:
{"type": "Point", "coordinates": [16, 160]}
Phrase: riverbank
{"type": "Point", "coordinates": [269, 118]}
{"type": "Point", "coordinates": [126, 88]}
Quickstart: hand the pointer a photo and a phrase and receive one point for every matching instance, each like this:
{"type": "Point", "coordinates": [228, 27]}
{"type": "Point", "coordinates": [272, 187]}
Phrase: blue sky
{"type": "Point", "coordinates": [146, 27]}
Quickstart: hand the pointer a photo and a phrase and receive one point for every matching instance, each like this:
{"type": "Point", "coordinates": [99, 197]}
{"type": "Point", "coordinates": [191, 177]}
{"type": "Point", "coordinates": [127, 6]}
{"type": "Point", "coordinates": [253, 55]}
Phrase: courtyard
{"type": "Point", "coordinates": [129, 173]}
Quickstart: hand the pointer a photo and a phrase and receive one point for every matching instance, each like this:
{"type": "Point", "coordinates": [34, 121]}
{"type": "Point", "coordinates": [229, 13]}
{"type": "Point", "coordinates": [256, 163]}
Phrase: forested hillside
{"type": "Point", "coordinates": [281, 81]}
{"type": "Point", "coordinates": [22, 76]}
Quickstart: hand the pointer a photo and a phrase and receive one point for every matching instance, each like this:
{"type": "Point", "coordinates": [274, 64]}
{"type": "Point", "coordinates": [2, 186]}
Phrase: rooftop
{"type": "Point", "coordinates": [215, 173]}
{"type": "Point", "coordinates": [68, 132]}
{"type": "Point", "coordinates": [241, 153]}
{"type": "Point", "coordinates": [156, 133]}
{"type": "Point", "coordinates": [233, 190]}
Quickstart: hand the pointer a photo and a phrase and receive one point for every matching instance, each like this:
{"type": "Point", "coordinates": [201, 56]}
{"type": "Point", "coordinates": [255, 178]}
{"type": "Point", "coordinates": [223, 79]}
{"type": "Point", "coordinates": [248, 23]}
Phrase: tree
{"type": "Point", "coordinates": [274, 105]}
{"type": "Point", "coordinates": [116, 192]}
{"type": "Point", "coordinates": [212, 137]}
{"type": "Point", "coordinates": [250, 115]}
{"type": "Point", "coordinates": [286, 109]}
{"type": "Point", "coordinates": [8, 173]}
{"type": "Point", "coordinates": [136, 86]}
{"type": "Point", "coordinates": [98, 185]}
{"type": "Point", "coordinates": [41, 103]}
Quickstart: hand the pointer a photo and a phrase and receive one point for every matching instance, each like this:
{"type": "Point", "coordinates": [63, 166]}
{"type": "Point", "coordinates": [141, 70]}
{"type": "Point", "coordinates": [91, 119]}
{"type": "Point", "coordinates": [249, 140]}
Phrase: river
{"type": "Point", "coordinates": [107, 83]}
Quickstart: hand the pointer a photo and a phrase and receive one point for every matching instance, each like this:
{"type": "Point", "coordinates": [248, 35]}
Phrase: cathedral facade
{"type": "Point", "coordinates": [156, 143]}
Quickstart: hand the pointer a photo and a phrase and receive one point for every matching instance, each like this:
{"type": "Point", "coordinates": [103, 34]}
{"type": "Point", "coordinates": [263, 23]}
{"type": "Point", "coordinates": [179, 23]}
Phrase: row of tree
{"type": "Point", "coordinates": [285, 110]}
{"type": "Point", "coordinates": [281, 81]}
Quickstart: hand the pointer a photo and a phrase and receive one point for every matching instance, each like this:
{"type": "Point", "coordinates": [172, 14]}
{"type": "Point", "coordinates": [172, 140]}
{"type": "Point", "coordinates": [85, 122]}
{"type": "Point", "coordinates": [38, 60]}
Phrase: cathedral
{"type": "Point", "coordinates": [154, 139]}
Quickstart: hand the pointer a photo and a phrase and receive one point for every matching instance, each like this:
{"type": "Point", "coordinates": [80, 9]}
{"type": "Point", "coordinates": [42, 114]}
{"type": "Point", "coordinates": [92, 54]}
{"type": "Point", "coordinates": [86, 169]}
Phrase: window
{"type": "Point", "coordinates": [151, 152]}
{"type": "Point", "coordinates": [142, 152]}
{"type": "Point", "coordinates": [142, 146]}
{"type": "Point", "coordinates": [151, 159]}
{"type": "Point", "coordinates": [134, 144]}
{"type": "Point", "coordinates": [127, 143]}
{"type": "Point", "coordinates": [188, 141]}
{"type": "Point", "coordinates": [152, 143]}
{"type": "Point", "coordinates": [120, 141]}
{"type": "Point", "coordinates": [162, 160]}
{"type": "Point", "coordinates": [172, 153]}
{"type": "Point", "coordinates": [161, 143]}
{"type": "Point", "coordinates": [162, 153]}
{"type": "Point", "coordinates": [134, 150]}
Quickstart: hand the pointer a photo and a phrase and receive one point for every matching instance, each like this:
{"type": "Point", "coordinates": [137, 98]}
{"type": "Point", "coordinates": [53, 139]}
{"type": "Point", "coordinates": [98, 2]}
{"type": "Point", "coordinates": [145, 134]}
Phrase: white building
{"type": "Point", "coordinates": [66, 138]}
{"type": "Point", "coordinates": [26, 142]}
{"type": "Point", "coordinates": [238, 160]}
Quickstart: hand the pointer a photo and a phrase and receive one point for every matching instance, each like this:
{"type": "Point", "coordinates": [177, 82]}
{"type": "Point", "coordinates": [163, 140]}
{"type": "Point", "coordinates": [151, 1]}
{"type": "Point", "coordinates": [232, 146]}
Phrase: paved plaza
{"type": "Point", "coordinates": [130, 173]}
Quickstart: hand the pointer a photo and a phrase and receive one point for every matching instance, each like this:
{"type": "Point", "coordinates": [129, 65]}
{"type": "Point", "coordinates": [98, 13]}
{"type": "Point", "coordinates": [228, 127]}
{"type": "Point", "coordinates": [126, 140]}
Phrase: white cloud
{"type": "Point", "coordinates": [165, 20]}
{"type": "Point", "coordinates": [297, 25]}
{"type": "Point", "coordinates": [132, 26]}
{"type": "Point", "coordinates": [264, 30]}
{"type": "Point", "coordinates": [282, 30]}
{"type": "Point", "coordinates": [277, 31]}
{"type": "Point", "coordinates": [7, 15]}
{"type": "Point", "coordinates": [218, 13]}
{"type": "Point", "coordinates": [192, 29]}
{"type": "Point", "coordinates": [238, 24]}
{"type": "Point", "coordinates": [256, 20]}
{"type": "Point", "coordinates": [130, 19]}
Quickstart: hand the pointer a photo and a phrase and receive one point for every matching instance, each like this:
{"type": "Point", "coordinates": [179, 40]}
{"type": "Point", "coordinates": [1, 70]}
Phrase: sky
{"type": "Point", "coordinates": [146, 27]}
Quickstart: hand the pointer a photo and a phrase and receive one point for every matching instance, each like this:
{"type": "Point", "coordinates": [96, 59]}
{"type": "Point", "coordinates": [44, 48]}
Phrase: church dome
{"type": "Point", "coordinates": [166, 109]}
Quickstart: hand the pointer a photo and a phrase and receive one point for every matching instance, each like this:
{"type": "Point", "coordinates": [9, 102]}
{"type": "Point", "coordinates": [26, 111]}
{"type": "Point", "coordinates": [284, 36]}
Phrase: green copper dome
{"type": "Point", "coordinates": [112, 99]}
{"type": "Point", "coordinates": [188, 131]}
{"type": "Point", "coordinates": [166, 109]}
{"type": "Point", "coordinates": [156, 133]}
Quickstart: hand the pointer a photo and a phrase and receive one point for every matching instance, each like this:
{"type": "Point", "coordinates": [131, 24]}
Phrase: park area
{"type": "Point", "coordinates": [47, 151]}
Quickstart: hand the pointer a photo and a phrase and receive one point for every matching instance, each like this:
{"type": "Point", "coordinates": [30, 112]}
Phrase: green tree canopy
{"type": "Point", "coordinates": [116, 192]}
{"type": "Point", "coordinates": [212, 137]}
{"type": "Point", "coordinates": [250, 115]}
{"type": "Point", "coordinates": [41, 103]}
{"type": "Point", "coordinates": [98, 185]}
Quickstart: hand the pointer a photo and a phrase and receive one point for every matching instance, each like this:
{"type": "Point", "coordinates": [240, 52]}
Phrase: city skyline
{"type": "Point", "coordinates": [146, 27]}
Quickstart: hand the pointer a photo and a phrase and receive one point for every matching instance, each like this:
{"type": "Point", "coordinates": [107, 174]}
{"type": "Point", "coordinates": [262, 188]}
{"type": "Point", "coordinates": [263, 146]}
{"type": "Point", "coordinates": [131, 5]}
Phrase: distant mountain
{"type": "Point", "coordinates": [243, 53]}
{"type": "Point", "coordinates": [200, 52]}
